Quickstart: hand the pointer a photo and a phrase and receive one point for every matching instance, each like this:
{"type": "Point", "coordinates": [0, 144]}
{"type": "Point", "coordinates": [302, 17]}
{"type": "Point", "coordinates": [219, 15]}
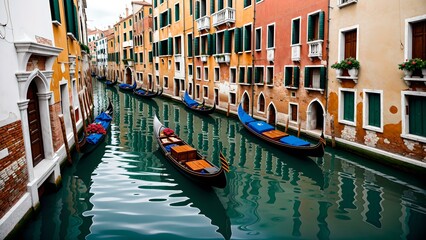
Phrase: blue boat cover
{"type": "Point", "coordinates": [127, 86]}
{"type": "Point", "coordinates": [294, 141]}
{"type": "Point", "coordinates": [94, 138]}
{"type": "Point", "coordinates": [245, 118]}
{"type": "Point", "coordinates": [260, 126]}
{"type": "Point", "coordinates": [189, 100]}
{"type": "Point", "coordinates": [103, 119]}
{"type": "Point", "coordinates": [169, 147]}
{"type": "Point", "coordinates": [141, 92]}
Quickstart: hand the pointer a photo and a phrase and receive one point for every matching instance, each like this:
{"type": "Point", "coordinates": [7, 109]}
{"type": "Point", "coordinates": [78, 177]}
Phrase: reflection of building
{"type": "Point", "coordinates": [44, 71]}
{"type": "Point", "coordinates": [379, 108]}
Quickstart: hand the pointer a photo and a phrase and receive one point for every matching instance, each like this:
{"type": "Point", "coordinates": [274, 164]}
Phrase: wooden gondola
{"type": "Point", "coordinates": [101, 78]}
{"type": "Point", "coordinates": [93, 74]}
{"type": "Point", "coordinates": [110, 83]}
{"type": "Point", "coordinates": [90, 141]}
{"type": "Point", "coordinates": [188, 160]}
{"type": "Point", "coordinates": [195, 106]}
{"type": "Point", "coordinates": [127, 87]}
{"type": "Point", "coordinates": [284, 141]}
{"type": "Point", "coordinates": [142, 93]}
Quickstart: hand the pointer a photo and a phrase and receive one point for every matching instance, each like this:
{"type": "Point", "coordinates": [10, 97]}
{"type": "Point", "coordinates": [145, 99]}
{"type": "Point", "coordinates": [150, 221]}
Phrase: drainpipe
{"type": "Point", "coordinates": [193, 50]}
{"type": "Point", "coordinates": [252, 56]}
{"type": "Point", "coordinates": [327, 63]}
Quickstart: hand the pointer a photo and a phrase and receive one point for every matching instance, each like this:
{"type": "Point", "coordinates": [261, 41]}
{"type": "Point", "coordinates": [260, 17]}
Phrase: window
{"type": "Point", "coordinates": [316, 26]}
{"type": "Point", "coordinates": [247, 38]}
{"type": "Point", "coordinates": [249, 75]}
{"type": "Point", "coordinates": [232, 98]}
{"type": "Point", "coordinates": [166, 82]}
{"type": "Point", "coordinates": [130, 22]}
{"type": "Point", "coordinates": [150, 56]}
{"type": "Point", "coordinates": [372, 110]}
{"type": "Point", "coordinates": [177, 66]}
{"type": "Point", "coordinates": [191, 7]}
{"type": "Point", "coordinates": [271, 36]}
{"type": "Point", "coordinates": [233, 75]}
{"type": "Point", "coordinates": [190, 70]}
{"type": "Point", "coordinates": [155, 24]}
{"type": "Point", "coordinates": [190, 88]}
{"type": "Point", "coordinates": [259, 75]}
{"type": "Point", "coordinates": [205, 92]}
{"type": "Point", "coordinates": [216, 74]}
{"type": "Point", "coordinates": [258, 39]}
{"type": "Point", "coordinates": [293, 112]}
{"type": "Point", "coordinates": [314, 77]}
{"type": "Point", "coordinates": [124, 25]}
{"type": "Point", "coordinates": [206, 73]}
{"type": "Point", "coordinates": [238, 40]}
{"type": "Point", "coordinates": [182, 85]}
{"type": "Point", "coordinates": [157, 78]}
{"type": "Point", "coordinates": [270, 75]}
{"type": "Point", "coordinates": [165, 18]}
{"type": "Point", "coordinates": [419, 39]}
{"type": "Point", "coordinates": [190, 44]}
{"type": "Point", "coordinates": [291, 76]}
{"type": "Point", "coordinates": [177, 12]}
{"type": "Point", "coordinates": [141, 57]}
{"type": "Point", "coordinates": [156, 66]}
{"type": "Point", "coordinates": [242, 75]}
{"type": "Point", "coordinates": [54, 11]}
{"type": "Point", "coordinates": [124, 54]}
{"type": "Point", "coordinates": [261, 103]}
{"type": "Point", "coordinates": [347, 106]}
{"type": "Point", "coordinates": [178, 45]}
{"type": "Point", "coordinates": [414, 115]}
{"type": "Point", "coordinates": [197, 91]}
{"type": "Point", "coordinates": [198, 73]}
{"type": "Point", "coordinates": [247, 3]}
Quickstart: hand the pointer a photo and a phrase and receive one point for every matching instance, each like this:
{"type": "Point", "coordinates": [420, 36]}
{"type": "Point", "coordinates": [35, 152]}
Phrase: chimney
{"type": "Point", "coordinates": [127, 11]}
{"type": "Point", "coordinates": [120, 17]}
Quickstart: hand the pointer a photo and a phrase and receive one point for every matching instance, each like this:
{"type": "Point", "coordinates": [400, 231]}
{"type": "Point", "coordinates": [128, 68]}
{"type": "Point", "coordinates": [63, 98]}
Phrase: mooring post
{"type": "Point", "coordinates": [74, 128]}
{"type": "Point", "coordinates": [64, 136]}
{"type": "Point", "coordinates": [286, 124]}
{"type": "Point", "coordinates": [333, 140]}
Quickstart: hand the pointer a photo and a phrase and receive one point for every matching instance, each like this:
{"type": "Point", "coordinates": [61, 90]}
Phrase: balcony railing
{"type": "Point", "coordinates": [128, 43]}
{"type": "Point", "coordinates": [204, 58]}
{"type": "Point", "coordinates": [295, 53]}
{"type": "Point", "coordinates": [222, 58]}
{"type": "Point", "coordinates": [226, 15]}
{"type": "Point", "coordinates": [343, 3]}
{"type": "Point", "coordinates": [203, 23]}
{"type": "Point", "coordinates": [315, 49]}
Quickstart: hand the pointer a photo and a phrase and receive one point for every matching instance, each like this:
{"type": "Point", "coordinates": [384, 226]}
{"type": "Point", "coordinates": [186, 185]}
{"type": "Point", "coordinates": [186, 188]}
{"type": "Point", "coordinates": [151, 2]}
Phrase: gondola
{"type": "Point", "coordinates": [90, 141]}
{"type": "Point", "coordinates": [284, 141]}
{"type": "Point", "coordinates": [142, 93]}
{"type": "Point", "coordinates": [195, 106]}
{"type": "Point", "coordinates": [127, 87]}
{"type": "Point", "coordinates": [188, 160]}
{"type": "Point", "coordinates": [101, 78]}
{"type": "Point", "coordinates": [111, 83]}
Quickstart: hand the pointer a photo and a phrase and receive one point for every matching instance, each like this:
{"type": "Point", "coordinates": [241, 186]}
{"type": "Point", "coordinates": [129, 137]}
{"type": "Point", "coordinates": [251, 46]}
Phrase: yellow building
{"type": "Point", "coordinates": [123, 32]}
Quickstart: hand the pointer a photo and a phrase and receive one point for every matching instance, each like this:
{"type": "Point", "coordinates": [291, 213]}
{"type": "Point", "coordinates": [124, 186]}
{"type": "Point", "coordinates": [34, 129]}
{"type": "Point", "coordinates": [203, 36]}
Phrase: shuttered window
{"type": "Point", "coordinates": [271, 36]}
{"type": "Point", "coordinates": [155, 3]}
{"type": "Point", "coordinates": [238, 40]}
{"type": "Point", "coordinates": [242, 75]}
{"type": "Point", "coordinates": [170, 46]}
{"type": "Point", "coordinates": [212, 8]}
{"type": "Point", "coordinates": [219, 5]}
{"type": "Point", "coordinates": [150, 56]}
{"type": "Point", "coordinates": [348, 106]}
{"type": "Point", "coordinates": [197, 9]}
{"type": "Point", "coordinates": [227, 40]}
{"type": "Point", "coordinates": [247, 38]}
{"type": "Point", "coordinates": [54, 10]}
{"type": "Point", "coordinates": [295, 32]}
{"type": "Point", "coordinates": [374, 110]}
{"type": "Point", "coordinates": [350, 43]}
{"type": "Point", "coordinates": [417, 115]}
{"type": "Point", "coordinates": [177, 12]}
{"type": "Point", "coordinates": [288, 72]}
{"type": "Point", "coordinates": [419, 40]}
{"type": "Point", "coordinates": [258, 35]}
{"type": "Point", "coordinates": [247, 3]}
{"type": "Point", "coordinates": [197, 46]}
{"type": "Point", "coordinates": [316, 26]}
{"type": "Point", "coordinates": [169, 16]}
{"type": "Point", "coordinates": [259, 75]}
{"type": "Point", "coordinates": [190, 45]}
{"type": "Point", "coordinates": [191, 6]}
{"type": "Point", "coordinates": [249, 75]}
{"type": "Point", "coordinates": [230, 3]}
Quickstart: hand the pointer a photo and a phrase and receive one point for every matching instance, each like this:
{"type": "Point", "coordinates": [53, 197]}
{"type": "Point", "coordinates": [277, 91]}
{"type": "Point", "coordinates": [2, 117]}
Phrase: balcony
{"type": "Point", "coordinates": [128, 43]}
{"type": "Point", "coordinates": [222, 58]}
{"type": "Point", "coordinates": [343, 3]}
{"type": "Point", "coordinates": [204, 58]}
{"type": "Point", "coordinates": [270, 54]}
{"type": "Point", "coordinates": [224, 16]}
{"type": "Point", "coordinates": [409, 78]}
{"type": "Point", "coordinates": [315, 49]}
{"type": "Point", "coordinates": [203, 23]}
{"type": "Point", "coordinates": [178, 57]}
{"type": "Point", "coordinates": [295, 53]}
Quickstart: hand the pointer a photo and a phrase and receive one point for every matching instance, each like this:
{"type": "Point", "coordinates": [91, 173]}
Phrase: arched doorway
{"type": "Point", "coordinates": [272, 115]}
{"type": "Point", "coordinates": [117, 75]}
{"type": "Point", "coordinates": [246, 102]}
{"type": "Point", "coordinates": [315, 116]}
{"type": "Point", "coordinates": [261, 103]}
{"type": "Point", "coordinates": [128, 76]}
{"type": "Point", "coordinates": [34, 123]}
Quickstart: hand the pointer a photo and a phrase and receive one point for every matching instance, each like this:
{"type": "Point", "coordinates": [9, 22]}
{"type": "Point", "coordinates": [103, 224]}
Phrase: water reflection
{"type": "Point", "coordinates": [126, 189]}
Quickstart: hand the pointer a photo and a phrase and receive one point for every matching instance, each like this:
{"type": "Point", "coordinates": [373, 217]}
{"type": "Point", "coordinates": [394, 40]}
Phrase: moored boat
{"type": "Point", "coordinates": [96, 132]}
{"type": "Point", "coordinates": [142, 93]}
{"type": "Point", "coordinates": [188, 160]}
{"type": "Point", "coordinates": [127, 87]}
{"type": "Point", "coordinates": [195, 106]}
{"type": "Point", "coordinates": [284, 141]}
{"type": "Point", "coordinates": [110, 83]}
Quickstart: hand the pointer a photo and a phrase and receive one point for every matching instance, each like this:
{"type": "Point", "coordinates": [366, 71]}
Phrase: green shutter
{"type": "Point", "coordinates": [197, 46]}
{"type": "Point", "coordinates": [348, 101]}
{"type": "Point", "coordinates": [212, 6]}
{"type": "Point", "coordinates": [170, 46]}
{"type": "Point", "coordinates": [256, 75]}
{"type": "Point", "coordinates": [191, 6]}
{"type": "Point", "coordinates": [177, 12]}
{"type": "Point", "coordinates": [197, 10]}
{"type": "Point", "coordinates": [249, 75]}
{"type": "Point", "coordinates": [230, 3]}
{"type": "Point", "coordinates": [227, 41]}
{"type": "Point", "coordinates": [69, 16]}
{"type": "Point", "coordinates": [75, 17]}
{"type": "Point", "coordinates": [159, 49]}
{"type": "Point", "coordinates": [245, 3]}
{"type": "Point", "coordinates": [161, 21]}
{"type": "Point", "coordinates": [136, 58]}
{"type": "Point", "coordinates": [213, 43]}
{"type": "Point", "coordinates": [417, 115]}
{"type": "Point", "coordinates": [150, 10]}
{"type": "Point", "coordinates": [131, 56]}
{"type": "Point", "coordinates": [322, 77]}
{"type": "Point", "coordinates": [307, 80]}
{"type": "Point", "coordinates": [190, 46]}
{"type": "Point", "coordinates": [271, 36]}
{"type": "Point", "coordinates": [257, 39]}
{"type": "Point", "coordinates": [155, 3]}
{"type": "Point", "coordinates": [310, 28]}
{"type": "Point", "coordinates": [374, 110]}
{"type": "Point", "coordinates": [169, 15]}
{"type": "Point", "coordinates": [54, 10]}
{"type": "Point", "coordinates": [130, 35]}
{"type": "Point", "coordinates": [246, 39]}
{"type": "Point", "coordinates": [293, 33]}
{"type": "Point", "coordinates": [237, 40]}
{"type": "Point", "coordinates": [242, 73]}
{"type": "Point", "coordinates": [150, 56]}
{"type": "Point", "coordinates": [296, 73]}
{"type": "Point", "coordinates": [287, 79]}
{"type": "Point", "coordinates": [321, 25]}
{"type": "Point", "coordinates": [220, 5]}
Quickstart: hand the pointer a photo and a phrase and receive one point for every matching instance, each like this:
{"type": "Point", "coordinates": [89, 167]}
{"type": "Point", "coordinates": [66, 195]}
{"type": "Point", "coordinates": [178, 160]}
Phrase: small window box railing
{"type": "Point", "coordinates": [222, 58]}
{"type": "Point", "coordinates": [315, 49]}
{"type": "Point", "coordinates": [203, 23]}
{"type": "Point", "coordinates": [226, 15]}
{"type": "Point", "coordinates": [343, 3]}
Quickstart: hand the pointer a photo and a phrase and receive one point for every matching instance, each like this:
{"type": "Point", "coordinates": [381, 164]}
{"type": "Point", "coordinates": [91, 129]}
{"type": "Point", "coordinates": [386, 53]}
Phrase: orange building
{"type": "Point", "coordinates": [123, 32]}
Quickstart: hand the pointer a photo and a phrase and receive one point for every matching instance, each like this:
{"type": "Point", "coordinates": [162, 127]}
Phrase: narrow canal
{"type": "Point", "coordinates": [125, 189]}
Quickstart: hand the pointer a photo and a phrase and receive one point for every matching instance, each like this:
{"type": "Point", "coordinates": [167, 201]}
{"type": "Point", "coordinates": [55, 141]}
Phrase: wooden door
{"type": "Point", "coordinates": [419, 40]}
{"type": "Point", "coordinates": [271, 119]}
{"type": "Point", "coordinates": [35, 125]}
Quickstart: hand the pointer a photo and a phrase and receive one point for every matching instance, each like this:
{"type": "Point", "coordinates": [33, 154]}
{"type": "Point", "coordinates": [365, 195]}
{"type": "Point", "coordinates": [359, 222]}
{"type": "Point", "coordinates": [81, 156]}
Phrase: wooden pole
{"type": "Point", "coordinates": [82, 113]}
{"type": "Point", "coordinates": [333, 140]}
{"type": "Point", "coordinates": [286, 125]}
{"type": "Point", "coordinates": [89, 103]}
{"type": "Point", "coordinates": [298, 129]}
{"type": "Point", "coordinates": [64, 136]}
{"type": "Point", "coordinates": [74, 128]}
{"type": "Point", "coordinates": [86, 103]}
{"type": "Point", "coordinates": [227, 112]}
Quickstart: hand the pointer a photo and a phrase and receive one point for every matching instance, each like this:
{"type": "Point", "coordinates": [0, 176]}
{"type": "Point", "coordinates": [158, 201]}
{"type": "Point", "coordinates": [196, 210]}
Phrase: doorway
{"type": "Point", "coordinates": [34, 124]}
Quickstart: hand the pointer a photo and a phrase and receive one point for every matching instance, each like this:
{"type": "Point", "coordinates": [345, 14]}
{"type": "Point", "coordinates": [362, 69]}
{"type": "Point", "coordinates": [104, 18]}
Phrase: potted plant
{"type": "Point", "coordinates": [423, 68]}
{"type": "Point", "coordinates": [411, 65]}
{"type": "Point", "coordinates": [350, 63]}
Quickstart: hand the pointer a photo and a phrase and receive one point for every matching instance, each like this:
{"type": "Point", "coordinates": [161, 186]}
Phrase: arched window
{"type": "Point", "coordinates": [261, 103]}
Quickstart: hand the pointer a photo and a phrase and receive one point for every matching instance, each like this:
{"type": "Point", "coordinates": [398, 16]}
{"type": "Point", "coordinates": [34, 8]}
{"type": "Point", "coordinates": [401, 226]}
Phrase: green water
{"type": "Point", "coordinates": [126, 189]}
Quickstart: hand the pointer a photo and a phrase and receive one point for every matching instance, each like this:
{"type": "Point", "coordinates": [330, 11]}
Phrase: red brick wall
{"type": "Point", "coordinates": [57, 138]}
{"type": "Point", "coordinates": [13, 168]}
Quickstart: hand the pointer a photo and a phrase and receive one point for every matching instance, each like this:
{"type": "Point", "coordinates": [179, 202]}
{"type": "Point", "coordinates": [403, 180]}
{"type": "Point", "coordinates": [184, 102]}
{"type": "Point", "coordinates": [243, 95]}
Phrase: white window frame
{"type": "Point", "coordinates": [197, 91]}
{"type": "Point", "coordinates": [255, 38]}
{"type": "Point", "coordinates": [300, 32]}
{"type": "Point", "coordinates": [272, 77]}
{"type": "Point", "coordinates": [341, 46]}
{"type": "Point", "coordinates": [262, 80]}
{"type": "Point", "coordinates": [365, 110]}
{"type": "Point", "coordinates": [205, 90]}
{"type": "Point", "coordinates": [234, 78]}
{"type": "Point", "coordinates": [405, 119]}
{"type": "Point", "coordinates": [408, 50]}
{"type": "Point", "coordinates": [251, 38]}
{"type": "Point", "coordinates": [291, 113]}
{"type": "Point", "coordinates": [174, 13]}
{"type": "Point", "coordinates": [258, 103]}
{"type": "Point", "coordinates": [341, 106]}
{"type": "Point", "coordinates": [206, 74]}
{"type": "Point", "coordinates": [307, 24]}
{"type": "Point", "coordinates": [216, 75]}
{"type": "Point", "coordinates": [198, 73]}
{"type": "Point", "coordinates": [164, 82]}
{"type": "Point", "coordinates": [235, 103]}
{"type": "Point", "coordinates": [267, 36]}
{"type": "Point", "coordinates": [190, 65]}
{"type": "Point", "coordinates": [349, 2]}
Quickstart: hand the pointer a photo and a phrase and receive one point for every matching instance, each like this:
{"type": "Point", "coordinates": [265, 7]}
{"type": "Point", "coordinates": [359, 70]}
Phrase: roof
{"type": "Point", "coordinates": [141, 3]}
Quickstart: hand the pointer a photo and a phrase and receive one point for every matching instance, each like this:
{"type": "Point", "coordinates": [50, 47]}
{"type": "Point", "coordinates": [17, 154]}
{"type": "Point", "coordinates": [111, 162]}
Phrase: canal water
{"type": "Point", "coordinates": [126, 189]}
